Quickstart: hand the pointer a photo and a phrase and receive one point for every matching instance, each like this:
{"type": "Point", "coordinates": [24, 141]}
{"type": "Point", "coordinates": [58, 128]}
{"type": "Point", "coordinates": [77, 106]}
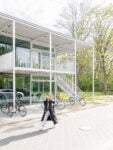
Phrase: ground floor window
{"type": "Point", "coordinates": [40, 86]}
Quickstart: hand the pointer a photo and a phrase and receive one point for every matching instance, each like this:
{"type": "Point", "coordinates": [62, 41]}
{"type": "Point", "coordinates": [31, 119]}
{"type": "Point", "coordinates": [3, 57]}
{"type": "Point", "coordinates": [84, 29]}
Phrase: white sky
{"type": "Point", "coordinates": [41, 12]}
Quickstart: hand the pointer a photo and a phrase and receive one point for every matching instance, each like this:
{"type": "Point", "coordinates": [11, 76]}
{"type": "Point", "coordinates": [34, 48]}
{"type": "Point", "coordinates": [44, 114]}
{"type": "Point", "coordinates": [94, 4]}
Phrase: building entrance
{"type": "Point", "coordinates": [39, 90]}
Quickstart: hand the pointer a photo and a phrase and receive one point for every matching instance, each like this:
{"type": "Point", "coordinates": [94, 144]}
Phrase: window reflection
{"type": "Point", "coordinates": [22, 57]}
{"type": "Point", "coordinates": [45, 61]}
{"type": "Point", "coordinates": [35, 60]}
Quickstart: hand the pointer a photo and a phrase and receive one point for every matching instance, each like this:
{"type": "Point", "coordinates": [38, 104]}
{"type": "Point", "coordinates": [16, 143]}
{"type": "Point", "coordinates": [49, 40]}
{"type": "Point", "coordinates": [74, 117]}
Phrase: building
{"type": "Point", "coordinates": [35, 60]}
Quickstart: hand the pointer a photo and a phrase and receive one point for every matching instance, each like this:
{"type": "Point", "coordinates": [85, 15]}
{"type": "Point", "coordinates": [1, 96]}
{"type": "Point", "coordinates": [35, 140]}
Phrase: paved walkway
{"type": "Point", "coordinates": [90, 129]}
{"type": "Point", "coordinates": [33, 112]}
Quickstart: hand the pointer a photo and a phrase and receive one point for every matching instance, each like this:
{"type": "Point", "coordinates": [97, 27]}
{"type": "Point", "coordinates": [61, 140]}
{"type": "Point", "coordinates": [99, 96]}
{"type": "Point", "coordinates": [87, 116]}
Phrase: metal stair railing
{"type": "Point", "coordinates": [66, 85]}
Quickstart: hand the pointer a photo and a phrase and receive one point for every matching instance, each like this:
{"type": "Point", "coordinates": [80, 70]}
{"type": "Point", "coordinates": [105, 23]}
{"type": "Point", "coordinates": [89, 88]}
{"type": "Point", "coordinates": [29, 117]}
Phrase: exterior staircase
{"type": "Point", "coordinates": [67, 85]}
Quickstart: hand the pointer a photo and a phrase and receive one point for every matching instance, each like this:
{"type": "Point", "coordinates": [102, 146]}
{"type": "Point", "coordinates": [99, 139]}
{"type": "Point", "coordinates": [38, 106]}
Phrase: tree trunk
{"type": "Point", "coordinates": [105, 84]}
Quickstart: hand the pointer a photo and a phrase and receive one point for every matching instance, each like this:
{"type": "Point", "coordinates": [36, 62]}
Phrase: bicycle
{"type": "Point", "coordinates": [4, 103]}
{"type": "Point", "coordinates": [18, 107]}
{"type": "Point", "coordinates": [59, 104]}
{"type": "Point", "coordinates": [77, 99]}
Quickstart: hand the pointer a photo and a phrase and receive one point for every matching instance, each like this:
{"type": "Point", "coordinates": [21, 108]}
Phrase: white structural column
{"type": "Point", "coordinates": [75, 49]}
{"type": "Point", "coordinates": [55, 76]}
{"type": "Point", "coordinates": [30, 73]}
{"type": "Point", "coordinates": [14, 79]}
{"type": "Point", "coordinates": [50, 46]}
{"type": "Point", "coordinates": [93, 73]}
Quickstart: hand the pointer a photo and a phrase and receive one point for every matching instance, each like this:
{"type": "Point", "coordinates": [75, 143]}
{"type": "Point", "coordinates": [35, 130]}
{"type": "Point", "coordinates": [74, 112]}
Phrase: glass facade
{"type": "Point", "coordinates": [6, 81]}
{"type": "Point", "coordinates": [41, 88]}
{"type": "Point", "coordinates": [6, 51]}
{"type": "Point", "coordinates": [41, 85]}
{"type": "Point", "coordinates": [41, 57]}
{"type": "Point", "coordinates": [22, 84]}
{"type": "Point", "coordinates": [22, 57]}
{"type": "Point", "coordinates": [45, 60]}
{"type": "Point", "coordinates": [5, 48]}
{"type": "Point", "coordinates": [35, 59]}
{"type": "Point", "coordinates": [38, 57]}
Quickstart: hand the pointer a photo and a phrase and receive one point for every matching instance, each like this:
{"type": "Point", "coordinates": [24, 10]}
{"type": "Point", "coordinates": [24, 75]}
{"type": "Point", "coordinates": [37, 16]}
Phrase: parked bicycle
{"type": "Point", "coordinates": [58, 103]}
{"type": "Point", "coordinates": [4, 103]}
{"type": "Point", "coordinates": [19, 107]}
{"type": "Point", "coordinates": [77, 99]}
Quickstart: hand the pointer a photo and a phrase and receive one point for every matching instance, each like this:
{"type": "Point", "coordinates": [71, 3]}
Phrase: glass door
{"type": "Point", "coordinates": [39, 90]}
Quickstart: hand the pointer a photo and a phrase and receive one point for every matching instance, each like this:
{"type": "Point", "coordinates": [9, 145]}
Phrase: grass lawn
{"type": "Point", "coordinates": [98, 97]}
{"type": "Point", "coordinates": [88, 96]}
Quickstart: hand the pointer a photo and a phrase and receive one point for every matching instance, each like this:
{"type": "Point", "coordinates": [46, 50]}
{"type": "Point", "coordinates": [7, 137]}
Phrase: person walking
{"type": "Point", "coordinates": [49, 112]}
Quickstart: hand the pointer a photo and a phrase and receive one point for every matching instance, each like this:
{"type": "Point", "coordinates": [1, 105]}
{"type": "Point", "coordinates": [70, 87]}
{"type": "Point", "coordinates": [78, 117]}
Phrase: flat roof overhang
{"type": "Point", "coordinates": [38, 34]}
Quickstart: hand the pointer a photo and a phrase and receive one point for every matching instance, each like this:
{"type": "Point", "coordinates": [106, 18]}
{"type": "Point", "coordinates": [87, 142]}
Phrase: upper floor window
{"type": "Point", "coordinates": [22, 57]}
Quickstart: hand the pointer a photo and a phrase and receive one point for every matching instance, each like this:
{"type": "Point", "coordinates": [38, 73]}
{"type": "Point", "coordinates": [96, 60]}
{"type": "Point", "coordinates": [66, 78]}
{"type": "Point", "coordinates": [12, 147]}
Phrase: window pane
{"type": "Point", "coordinates": [22, 57]}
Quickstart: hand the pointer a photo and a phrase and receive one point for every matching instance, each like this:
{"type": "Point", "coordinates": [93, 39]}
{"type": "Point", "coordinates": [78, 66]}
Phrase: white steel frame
{"type": "Point", "coordinates": [50, 45]}
{"type": "Point", "coordinates": [14, 84]}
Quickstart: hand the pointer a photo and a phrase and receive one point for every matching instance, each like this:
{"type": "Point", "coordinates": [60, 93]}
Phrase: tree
{"type": "Point", "coordinates": [102, 31]}
{"type": "Point", "coordinates": [74, 18]}
{"type": "Point", "coordinates": [96, 24]}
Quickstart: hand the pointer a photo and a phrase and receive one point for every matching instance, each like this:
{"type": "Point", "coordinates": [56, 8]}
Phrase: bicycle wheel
{"type": "Point", "coordinates": [11, 111]}
{"type": "Point", "coordinates": [60, 105]}
{"type": "Point", "coordinates": [82, 102]}
{"type": "Point", "coordinates": [4, 109]}
{"type": "Point", "coordinates": [22, 110]}
{"type": "Point", "coordinates": [71, 100]}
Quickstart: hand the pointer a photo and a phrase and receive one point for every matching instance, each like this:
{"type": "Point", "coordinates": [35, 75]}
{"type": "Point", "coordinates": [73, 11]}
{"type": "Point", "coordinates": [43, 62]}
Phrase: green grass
{"type": "Point", "coordinates": [98, 96]}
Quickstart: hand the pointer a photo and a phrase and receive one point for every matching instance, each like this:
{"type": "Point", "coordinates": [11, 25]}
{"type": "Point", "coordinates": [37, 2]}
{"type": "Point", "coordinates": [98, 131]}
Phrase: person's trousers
{"type": "Point", "coordinates": [45, 118]}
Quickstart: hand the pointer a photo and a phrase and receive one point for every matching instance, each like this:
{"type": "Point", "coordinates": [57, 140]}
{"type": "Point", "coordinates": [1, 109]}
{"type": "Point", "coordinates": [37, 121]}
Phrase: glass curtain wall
{"type": "Point", "coordinates": [40, 88]}
{"type": "Point", "coordinates": [22, 53]}
{"type": "Point", "coordinates": [41, 57]}
{"type": "Point", "coordinates": [22, 84]}
{"type": "Point", "coordinates": [45, 60]}
{"type": "Point", "coordinates": [35, 59]}
{"type": "Point", "coordinates": [6, 81]}
{"type": "Point", "coordinates": [6, 54]}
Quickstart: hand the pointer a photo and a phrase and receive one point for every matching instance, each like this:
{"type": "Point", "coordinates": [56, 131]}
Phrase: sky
{"type": "Point", "coordinates": [41, 12]}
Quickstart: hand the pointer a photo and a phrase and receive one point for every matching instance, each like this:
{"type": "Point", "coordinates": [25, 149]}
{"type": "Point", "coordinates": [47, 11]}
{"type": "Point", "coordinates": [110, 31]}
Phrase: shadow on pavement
{"type": "Point", "coordinates": [17, 128]}
{"type": "Point", "coordinates": [10, 139]}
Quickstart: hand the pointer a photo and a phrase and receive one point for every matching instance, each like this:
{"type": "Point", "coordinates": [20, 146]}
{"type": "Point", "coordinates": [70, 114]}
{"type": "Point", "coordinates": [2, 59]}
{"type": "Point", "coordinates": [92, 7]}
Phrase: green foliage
{"type": "Point", "coordinates": [85, 83]}
{"type": "Point", "coordinates": [96, 24]}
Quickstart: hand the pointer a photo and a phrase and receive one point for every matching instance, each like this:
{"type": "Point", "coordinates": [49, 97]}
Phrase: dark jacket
{"type": "Point", "coordinates": [49, 106]}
